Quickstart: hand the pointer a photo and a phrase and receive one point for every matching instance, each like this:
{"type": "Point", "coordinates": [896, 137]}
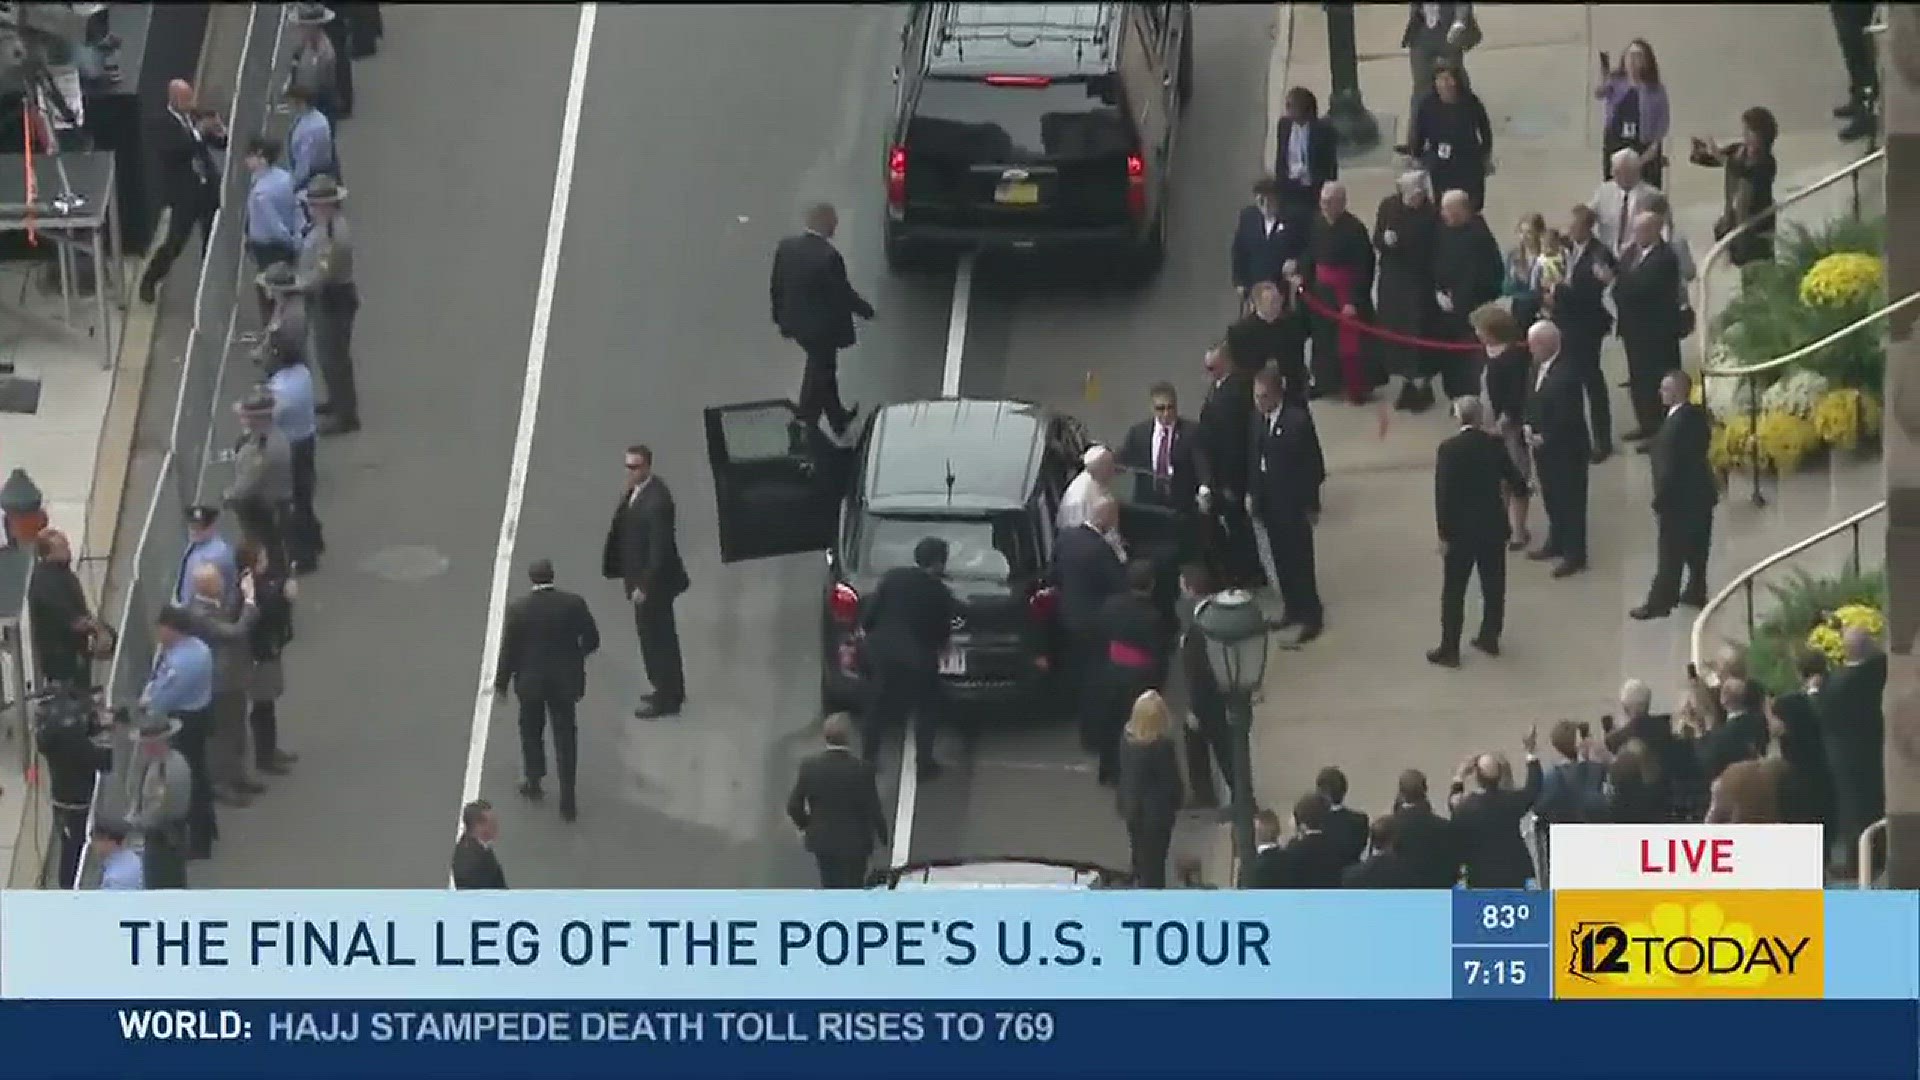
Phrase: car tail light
{"type": "Point", "coordinates": [897, 177]}
{"type": "Point", "coordinates": [1136, 185]}
{"type": "Point", "coordinates": [1019, 80]}
{"type": "Point", "coordinates": [844, 606]}
{"type": "Point", "coordinates": [1042, 604]}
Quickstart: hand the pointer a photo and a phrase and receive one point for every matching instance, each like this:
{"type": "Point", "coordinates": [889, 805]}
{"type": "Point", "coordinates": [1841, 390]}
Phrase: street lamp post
{"type": "Point", "coordinates": [1235, 630]}
{"type": "Point", "coordinates": [1346, 112]}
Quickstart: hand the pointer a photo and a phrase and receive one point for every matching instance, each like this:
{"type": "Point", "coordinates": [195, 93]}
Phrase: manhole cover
{"type": "Point", "coordinates": [407, 563]}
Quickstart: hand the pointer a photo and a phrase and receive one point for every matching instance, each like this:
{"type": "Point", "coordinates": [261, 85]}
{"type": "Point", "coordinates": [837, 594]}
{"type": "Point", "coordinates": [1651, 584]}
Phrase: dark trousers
{"type": "Point", "coordinates": [186, 216]}
{"type": "Point", "coordinates": [262, 523]}
{"type": "Point", "coordinates": [1850, 22]}
{"type": "Point", "coordinates": [265, 255]}
{"type": "Point", "coordinates": [820, 388]}
{"type": "Point", "coordinates": [1685, 538]}
{"type": "Point", "coordinates": [903, 691]}
{"type": "Point", "coordinates": [333, 315]}
{"type": "Point", "coordinates": [264, 721]}
{"type": "Point", "coordinates": [1233, 551]}
{"type": "Point", "coordinates": [304, 539]}
{"type": "Point", "coordinates": [71, 823]}
{"type": "Point", "coordinates": [1563, 494]}
{"type": "Point", "coordinates": [1291, 540]}
{"type": "Point", "coordinates": [660, 649]}
{"type": "Point", "coordinates": [1461, 561]}
{"type": "Point", "coordinates": [1295, 195]}
{"type": "Point", "coordinates": [1211, 745]}
{"type": "Point", "coordinates": [842, 871]}
{"type": "Point", "coordinates": [202, 829]}
{"type": "Point", "coordinates": [1428, 48]}
{"type": "Point", "coordinates": [536, 711]}
{"type": "Point", "coordinates": [1148, 841]}
{"type": "Point", "coordinates": [1582, 349]}
{"type": "Point", "coordinates": [163, 859]}
{"type": "Point", "coordinates": [1650, 356]}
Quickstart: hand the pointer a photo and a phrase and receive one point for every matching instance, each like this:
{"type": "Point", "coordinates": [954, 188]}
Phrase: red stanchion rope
{"type": "Point", "coordinates": [1320, 308]}
{"type": "Point", "coordinates": [28, 126]}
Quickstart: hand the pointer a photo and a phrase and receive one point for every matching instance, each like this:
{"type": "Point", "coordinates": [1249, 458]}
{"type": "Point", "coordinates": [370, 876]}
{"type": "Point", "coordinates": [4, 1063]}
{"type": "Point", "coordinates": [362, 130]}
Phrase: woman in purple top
{"type": "Point", "coordinates": [1634, 111]}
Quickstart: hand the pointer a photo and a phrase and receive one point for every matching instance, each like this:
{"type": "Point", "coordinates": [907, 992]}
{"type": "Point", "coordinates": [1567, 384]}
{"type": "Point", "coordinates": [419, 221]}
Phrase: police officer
{"type": "Point", "coordinates": [161, 791]}
{"type": "Point", "coordinates": [285, 333]}
{"type": "Point", "coordinates": [325, 274]}
{"type": "Point", "coordinates": [63, 731]}
{"type": "Point", "coordinates": [290, 381]}
{"type": "Point", "coordinates": [316, 66]}
{"type": "Point", "coordinates": [908, 623]}
{"type": "Point", "coordinates": [261, 494]}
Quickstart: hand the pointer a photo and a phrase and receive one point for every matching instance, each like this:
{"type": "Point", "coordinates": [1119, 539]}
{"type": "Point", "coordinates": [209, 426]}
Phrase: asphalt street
{"type": "Point", "coordinates": [703, 133]}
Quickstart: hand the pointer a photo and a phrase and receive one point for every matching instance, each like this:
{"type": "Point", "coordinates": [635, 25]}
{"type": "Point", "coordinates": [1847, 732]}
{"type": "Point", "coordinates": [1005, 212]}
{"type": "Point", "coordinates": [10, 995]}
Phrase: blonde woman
{"type": "Point", "coordinates": [1505, 381]}
{"type": "Point", "coordinates": [1150, 789]}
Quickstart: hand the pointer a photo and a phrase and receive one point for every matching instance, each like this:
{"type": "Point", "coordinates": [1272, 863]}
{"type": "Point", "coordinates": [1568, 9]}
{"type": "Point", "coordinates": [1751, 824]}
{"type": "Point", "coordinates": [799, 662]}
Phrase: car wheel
{"type": "Point", "coordinates": [901, 258]}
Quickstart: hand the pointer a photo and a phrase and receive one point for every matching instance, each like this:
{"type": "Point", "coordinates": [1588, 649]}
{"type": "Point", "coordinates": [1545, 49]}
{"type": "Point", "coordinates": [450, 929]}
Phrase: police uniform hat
{"type": "Point", "coordinates": [203, 516]}
{"type": "Point", "coordinates": [258, 403]}
{"type": "Point", "coordinates": [323, 190]}
{"type": "Point", "coordinates": [278, 278]}
{"type": "Point", "coordinates": [310, 15]}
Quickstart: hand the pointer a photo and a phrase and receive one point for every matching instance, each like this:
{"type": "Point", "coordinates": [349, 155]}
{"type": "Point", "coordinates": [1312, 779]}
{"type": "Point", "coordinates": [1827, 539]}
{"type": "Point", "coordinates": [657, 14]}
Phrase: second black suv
{"type": "Point", "coordinates": [986, 476]}
{"type": "Point", "coordinates": [1035, 128]}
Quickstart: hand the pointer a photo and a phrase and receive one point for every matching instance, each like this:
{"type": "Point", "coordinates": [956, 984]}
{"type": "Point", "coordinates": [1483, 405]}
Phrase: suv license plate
{"type": "Point", "coordinates": [953, 662]}
{"type": "Point", "coordinates": [1017, 194]}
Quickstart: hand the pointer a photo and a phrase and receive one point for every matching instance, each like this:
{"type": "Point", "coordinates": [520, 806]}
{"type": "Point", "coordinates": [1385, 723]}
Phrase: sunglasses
{"type": "Point", "coordinates": [1163, 406]}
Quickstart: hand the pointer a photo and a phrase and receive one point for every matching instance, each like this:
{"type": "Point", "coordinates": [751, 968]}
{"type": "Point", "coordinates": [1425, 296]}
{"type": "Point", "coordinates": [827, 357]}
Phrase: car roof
{"type": "Point", "coordinates": [1023, 39]}
{"type": "Point", "coordinates": [993, 449]}
{"type": "Point", "coordinates": [1015, 872]}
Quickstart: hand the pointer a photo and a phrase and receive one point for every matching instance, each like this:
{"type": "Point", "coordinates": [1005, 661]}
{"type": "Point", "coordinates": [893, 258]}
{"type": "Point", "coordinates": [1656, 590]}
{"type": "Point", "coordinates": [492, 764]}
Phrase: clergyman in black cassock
{"type": "Point", "coordinates": [1339, 268]}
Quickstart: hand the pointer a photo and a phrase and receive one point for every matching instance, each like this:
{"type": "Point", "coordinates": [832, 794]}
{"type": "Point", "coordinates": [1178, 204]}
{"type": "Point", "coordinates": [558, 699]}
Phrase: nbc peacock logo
{"type": "Point", "coordinates": [1701, 945]}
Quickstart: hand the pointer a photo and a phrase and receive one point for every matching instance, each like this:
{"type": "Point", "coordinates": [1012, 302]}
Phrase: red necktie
{"type": "Point", "coordinates": [1163, 460]}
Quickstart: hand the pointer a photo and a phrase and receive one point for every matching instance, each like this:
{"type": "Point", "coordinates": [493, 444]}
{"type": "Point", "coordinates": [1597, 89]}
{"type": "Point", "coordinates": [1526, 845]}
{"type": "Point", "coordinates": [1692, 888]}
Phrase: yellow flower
{"type": "Point", "coordinates": [1841, 279]}
{"type": "Point", "coordinates": [1830, 636]}
{"type": "Point", "coordinates": [1825, 639]}
{"type": "Point", "coordinates": [1861, 617]}
{"type": "Point", "coordinates": [1785, 440]}
{"type": "Point", "coordinates": [1845, 417]}
{"type": "Point", "coordinates": [1731, 446]}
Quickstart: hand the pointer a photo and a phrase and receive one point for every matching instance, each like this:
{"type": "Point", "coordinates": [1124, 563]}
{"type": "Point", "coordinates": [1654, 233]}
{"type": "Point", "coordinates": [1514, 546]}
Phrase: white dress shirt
{"type": "Point", "coordinates": [1081, 494]}
{"type": "Point", "coordinates": [1296, 157]}
{"type": "Point", "coordinates": [1614, 209]}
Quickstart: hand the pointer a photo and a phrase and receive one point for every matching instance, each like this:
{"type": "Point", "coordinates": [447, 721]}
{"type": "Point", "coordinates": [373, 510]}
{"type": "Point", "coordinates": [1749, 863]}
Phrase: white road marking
{"type": "Point", "coordinates": [529, 404]}
{"type": "Point", "coordinates": [909, 789]}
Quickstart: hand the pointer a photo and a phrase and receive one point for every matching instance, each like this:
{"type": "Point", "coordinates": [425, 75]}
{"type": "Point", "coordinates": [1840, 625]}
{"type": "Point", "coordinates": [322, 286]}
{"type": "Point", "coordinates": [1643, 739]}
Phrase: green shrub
{"type": "Point", "coordinates": [1766, 319]}
{"type": "Point", "coordinates": [1798, 605]}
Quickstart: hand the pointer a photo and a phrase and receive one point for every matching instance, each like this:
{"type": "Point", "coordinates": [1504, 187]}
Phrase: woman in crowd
{"type": "Point", "coordinates": [1750, 173]}
{"type": "Point", "coordinates": [1403, 234]}
{"type": "Point", "coordinates": [273, 594]}
{"type": "Point", "coordinates": [1504, 382]}
{"type": "Point", "coordinates": [1305, 154]}
{"type": "Point", "coordinates": [1150, 790]}
{"type": "Point", "coordinates": [1136, 659]}
{"type": "Point", "coordinates": [1633, 111]}
{"type": "Point", "coordinates": [1452, 136]}
{"type": "Point", "coordinates": [1806, 791]}
{"type": "Point", "coordinates": [63, 627]}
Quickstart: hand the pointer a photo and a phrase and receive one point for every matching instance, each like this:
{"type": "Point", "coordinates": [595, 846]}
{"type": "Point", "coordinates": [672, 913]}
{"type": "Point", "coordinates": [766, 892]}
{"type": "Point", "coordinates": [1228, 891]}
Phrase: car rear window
{"type": "Point", "coordinates": [977, 121]}
{"type": "Point", "coordinates": [978, 549]}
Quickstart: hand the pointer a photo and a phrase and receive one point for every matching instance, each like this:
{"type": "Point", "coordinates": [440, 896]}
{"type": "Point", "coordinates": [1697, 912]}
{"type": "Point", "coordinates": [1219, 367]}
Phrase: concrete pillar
{"type": "Point", "coordinates": [1900, 63]}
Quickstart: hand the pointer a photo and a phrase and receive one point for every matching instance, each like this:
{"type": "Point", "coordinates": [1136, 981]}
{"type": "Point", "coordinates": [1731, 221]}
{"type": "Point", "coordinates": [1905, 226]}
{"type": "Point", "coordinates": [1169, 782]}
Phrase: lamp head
{"type": "Point", "coordinates": [1235, 630]}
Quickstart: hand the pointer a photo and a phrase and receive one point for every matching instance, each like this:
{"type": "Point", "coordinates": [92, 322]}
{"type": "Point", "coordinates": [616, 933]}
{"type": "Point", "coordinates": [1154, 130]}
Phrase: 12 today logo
{"type": "Point", "coordinates": [1689, 944]}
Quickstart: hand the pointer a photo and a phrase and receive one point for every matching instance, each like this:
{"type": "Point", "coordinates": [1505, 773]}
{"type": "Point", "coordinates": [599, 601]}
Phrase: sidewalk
{"type": "Point", "coordinates": [1363, 696]}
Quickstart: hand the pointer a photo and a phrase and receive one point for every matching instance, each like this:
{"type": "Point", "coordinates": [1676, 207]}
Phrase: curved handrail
{"type": "Point", "coordinates": [1725, 243]}
{"type": "Point", "coordinates": [1745, 578]}
{"type": "Point", "coordinates": [1805, 351]}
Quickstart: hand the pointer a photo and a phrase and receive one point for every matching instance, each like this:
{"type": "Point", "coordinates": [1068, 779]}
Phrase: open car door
{"type": "Point", "coordinates": [1152, 529]}
{"type": "Point", "coordinates": [778, 484]}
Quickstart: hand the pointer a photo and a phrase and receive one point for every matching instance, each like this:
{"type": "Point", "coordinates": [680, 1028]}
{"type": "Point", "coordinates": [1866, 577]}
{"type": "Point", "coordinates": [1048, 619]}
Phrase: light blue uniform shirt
{"type": "Point", "coordinates": [273, 215]}
{"type": "Point", "coordinates": [214, 551]}
{"type": "Point", "coordinates": [182, 679]}
{"type": "Point", "coordinates": [309, 148]}
{"type": "Point", "coordinates": [293, 406]}
{"type": "Point", "coordinates": [122, 870]}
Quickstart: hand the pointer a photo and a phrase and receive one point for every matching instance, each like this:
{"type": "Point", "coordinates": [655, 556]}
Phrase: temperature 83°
{"type": "Point", "coordinates": [1501, 917]}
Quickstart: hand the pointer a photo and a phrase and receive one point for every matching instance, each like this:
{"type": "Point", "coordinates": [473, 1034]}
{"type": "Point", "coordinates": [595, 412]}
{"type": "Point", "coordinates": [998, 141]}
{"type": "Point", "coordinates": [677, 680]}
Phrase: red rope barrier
{"type": "Point", "coordinates": [27, 127]}
{"type": "Point", "coordinates": [1321, 309]}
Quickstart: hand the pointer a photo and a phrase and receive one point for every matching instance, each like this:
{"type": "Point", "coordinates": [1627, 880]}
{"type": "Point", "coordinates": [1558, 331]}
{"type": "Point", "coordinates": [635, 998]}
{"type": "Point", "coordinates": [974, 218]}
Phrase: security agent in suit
{"type": "Point", "coordinates": [261, 493]}
{"type": "Point", "coordinates": [1284, 496]}
{"type": "Point", "coordinates": [1268, 235]}
{"type": "Point", "coordinates": [475, 866]}
{"type": "Point", "coordinates": [1089, 568]}
{"type": "Point", "coordinates": [814, 305]}
{"type": "Point", "coordinates": [1648, 294]}
{"type": "Point", "coordinates": [835, 804]}
{"type": "Point", "coordinates": [1222, 465]}
{"type": "Point", "coordinates": [1385, 868]}
{"type": "Point", "coordinates": [1472, 475]}
{"type": "Point", "coordinates": [906, 625]}
{"type": "Point", "coordinates": [1166, 447]}
{"type": "Point", "coordinates": [189, 178]}
{"type": "Point", "coordinates": [1557, 430]}
{"type": "Point", "coordinates": [1578, 306]}
{"type": "Point", "coordinates": [1347, 827]}
{"type": "Point", "coordinates": [1684, 495]}
{"type": "Point", "coordinates": [548, 635]}
{"type": "Point", "coordinates": [643, 554]}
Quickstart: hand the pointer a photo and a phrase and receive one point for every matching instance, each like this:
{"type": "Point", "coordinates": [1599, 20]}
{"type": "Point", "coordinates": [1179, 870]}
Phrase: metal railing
{"type": "Point", "coordinates": [1744, 583]}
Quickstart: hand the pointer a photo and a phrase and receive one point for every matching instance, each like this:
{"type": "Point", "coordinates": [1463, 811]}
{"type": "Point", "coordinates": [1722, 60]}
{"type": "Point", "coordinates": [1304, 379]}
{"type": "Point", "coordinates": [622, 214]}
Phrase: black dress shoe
{"type": "Point", "coordinates": [1568, 568]}
{"type": "Point", "coordinates": [1693, 600]}
{"type": "Point", "coordinates": [530, 789]}
{"type": "Point", "coordinates": [1486, 645]}
{"type": "Point", "coordinates": [1635, 435]}
{"type": "Point", "coordinates": [1443, 658]}
{"type": "Point", "coordinates": [146, 292]}
{"type": "Point", "coordinates": [1848, 111]}
{"type": "Point", "coordinates": [1311, 632]}
{"type": "Point", "coordinates": [568, 811]}
{"type": "Point", "coordinates": [657, 709]}
{"type": "Point", "coordinates": [1647, 611]}
{"type": "Point", "coordinates": [1602, 453]}
{"type": "Point", "coordinates": [1861, 126]}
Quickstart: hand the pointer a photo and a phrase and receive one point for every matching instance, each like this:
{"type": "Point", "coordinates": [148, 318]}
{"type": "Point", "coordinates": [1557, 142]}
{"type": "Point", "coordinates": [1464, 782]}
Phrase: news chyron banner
{"type": "Point", "coordinates": [1689, 911]}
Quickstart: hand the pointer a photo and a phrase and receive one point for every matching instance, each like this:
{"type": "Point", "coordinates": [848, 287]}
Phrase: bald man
{"type": "Point", "coordinates": [814, 305]}
{"type": "Point", "coordinates": [1486, 820]}
{"type": "Point", "coordinates": [1562, 450]}
{"type": "Point", "coordinates": [189, 178]}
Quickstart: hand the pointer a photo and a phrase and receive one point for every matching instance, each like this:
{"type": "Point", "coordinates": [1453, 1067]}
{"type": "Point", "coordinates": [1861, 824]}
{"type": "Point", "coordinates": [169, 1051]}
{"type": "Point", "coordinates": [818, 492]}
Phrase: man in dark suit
{"type": "Point", "coordinates": [1577, 305]}
{"type": "Point", "coordinates": [1288, 469]}
{"type": "Point", "coordinates": [189, 178]}
{"type": "Point", "coordinates": [1487, 820]}
{"type": "Point", "coordinates": [1422, 837]}
{"type": "Point", "coordinates": [1314, 858]}
{"type": "Point", "coordinates": [1347, 828]}
{"type": "Point", "coordinates": [475, 866]}
{"type": "Point", "coordinates": [1222, 464]}
{"type": "Point", "coordinates": [1266, 238]}
{"type": "Point", "coordinates": [1089, 567]}
{"type": "Point", "coordinates": [1684, 494]}
{"type": "Point", "coordinates": [549, 634]}
{"type": "Point", "coordinates": [908, 623]}
{"type": "Point", "coordinates": [1647, 293]}
{"type": "Point", "coordinates": [1853, 725]}
{"type": "Point", "coordinates": [1385, 868]}
{"type": "Point", "coordinates": [1166, 447]}
{"type": "Point", "coordinates": [1562, 452]}
{"type": "Point", "coordinates": [1470, 514]}
{"type": "Point", "coordinates": [814, 305]}
{"type": "Point", "coordinates": [643, 554]}
{"type": "Point", "coordinates": [1739, 735]}
{"type": "Point", "coordinates": [1306, 151]}
{"type": "Point", "coordinates": [1268, 870]}
{"type": "Point", "coordinates": [836, 806]}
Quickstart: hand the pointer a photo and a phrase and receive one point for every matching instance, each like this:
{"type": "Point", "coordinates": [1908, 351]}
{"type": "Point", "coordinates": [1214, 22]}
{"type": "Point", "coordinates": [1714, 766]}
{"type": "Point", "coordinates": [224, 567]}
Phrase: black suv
{"type": "Point", "coordinates": [1036, 127]}
{"type": "Point", "coordinates": [986, 476]}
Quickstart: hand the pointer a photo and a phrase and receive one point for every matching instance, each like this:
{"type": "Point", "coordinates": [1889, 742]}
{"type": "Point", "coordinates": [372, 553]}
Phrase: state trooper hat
{"type": "Point", "coordinates": [324, 190]}
{"type": "Point", "coordinates": [203, 516]}
{"type": "Point", "coordinates": [278, 278]}
{"type": "Point", "coordinates": [310, 15]}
